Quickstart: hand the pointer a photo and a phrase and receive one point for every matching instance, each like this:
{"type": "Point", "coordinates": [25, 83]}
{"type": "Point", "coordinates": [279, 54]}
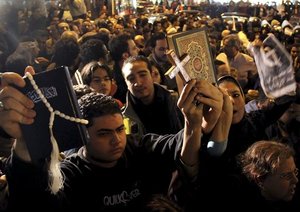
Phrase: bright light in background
{"type": "Point", "coordinates": [278, 2]}
{"type": "Point", "coordinates": [252, 1]}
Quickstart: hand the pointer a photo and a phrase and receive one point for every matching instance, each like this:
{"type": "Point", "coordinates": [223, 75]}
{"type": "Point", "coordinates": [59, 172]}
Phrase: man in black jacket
{"type": "Point", "coordinates": [109, 173]}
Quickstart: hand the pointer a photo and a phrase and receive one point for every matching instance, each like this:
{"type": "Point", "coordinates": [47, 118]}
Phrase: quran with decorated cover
{"type": "Point", "coordinates": [57, 87]}
{"type": "Point", "coordinates": [193, 44]}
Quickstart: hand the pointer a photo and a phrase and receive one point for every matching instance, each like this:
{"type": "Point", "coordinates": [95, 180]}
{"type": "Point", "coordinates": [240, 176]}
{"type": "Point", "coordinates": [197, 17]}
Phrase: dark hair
{"type": "Point", "coordinates": [289, 47]}
{"type": "Point", "coordinates": [87, 72]}
{"type": "Point", "coordinates": [92, 49]}
{"type": "Point", "coordinates": [104, 37]}
{"type": "Point", "coordinates": [145, 21]}
{"type": "Point", "coordinates": [139, 58]}
{"type": "Point", "coordinates": [65, 52]}
{"type": "Point", "coordinates": [155, 37]}
{"type": "Point", "coordinates": [93, 105]}
{"type": "Point", "coordinates": [153, 64]}
{"type": "Point", "coordinates": [119, 45]}
{"type": "Point", "coordinates": [172, 18]}
{"type": "Point", "coordinates": [81, 90]}
{"type": "Point", "coordinates": [219, 62]}
{"type": "Point", "coordinates": [229, 78]}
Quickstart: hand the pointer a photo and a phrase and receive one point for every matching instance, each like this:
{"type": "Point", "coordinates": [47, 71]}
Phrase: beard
{"type": "Point", "coordinates": [161, 59]}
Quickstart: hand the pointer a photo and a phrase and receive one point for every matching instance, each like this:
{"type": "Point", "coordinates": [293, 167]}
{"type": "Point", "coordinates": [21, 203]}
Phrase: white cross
{"type": "Point", "coordinates": [178, 66]}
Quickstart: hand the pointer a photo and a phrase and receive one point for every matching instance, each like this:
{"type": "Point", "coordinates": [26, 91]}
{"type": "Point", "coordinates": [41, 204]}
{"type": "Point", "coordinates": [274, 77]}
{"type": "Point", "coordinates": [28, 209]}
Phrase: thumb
{"type": "Point", "coordinates": [30, 70]}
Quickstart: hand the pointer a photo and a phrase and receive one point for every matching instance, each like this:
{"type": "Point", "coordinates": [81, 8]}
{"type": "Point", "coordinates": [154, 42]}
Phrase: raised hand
{"type": "Point", "coordinates": [190, 104]}
{"type": "Point", "coordinates": [212, 98]}
{"type": "Point", "coordinates": [15, 107]}
{"type": "Point", "coordinates": [221, 130]}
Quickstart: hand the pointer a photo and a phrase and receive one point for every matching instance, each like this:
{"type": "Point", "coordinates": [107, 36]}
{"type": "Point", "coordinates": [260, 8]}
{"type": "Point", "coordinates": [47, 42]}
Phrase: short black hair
{"type": "Point", "coordinates": [119, 45]}
{"type": "Point", "coordinates": [155, 37]}
{"type": "Point", "coordinates": [87, 72]}
{"type": "Point", "coordinates": [219, 62]}
{"type": "Point", "coordinates": [92, 49]}
{"type": "Point", "coordinates": [93, 105]}
{"type": "Point", "coordinates": [65, 52]}
{"type": "Point", "coordinates": [138, 58]}
{"type": "Point", "coordinates": [81, 90]}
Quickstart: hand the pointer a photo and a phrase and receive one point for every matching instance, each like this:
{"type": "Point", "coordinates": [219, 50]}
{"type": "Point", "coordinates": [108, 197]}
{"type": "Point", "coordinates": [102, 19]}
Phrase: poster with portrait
{"type": "Point", "coordinates": [275, 68]}
{"type": "Point", "coordinates": [195, 44]}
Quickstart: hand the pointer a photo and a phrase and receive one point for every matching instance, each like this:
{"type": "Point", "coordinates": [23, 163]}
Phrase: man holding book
{"type": "Point", "coordinates": [110, 172]}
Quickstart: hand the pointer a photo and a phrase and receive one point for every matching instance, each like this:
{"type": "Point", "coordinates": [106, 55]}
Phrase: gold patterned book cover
{"type": "Point", "coordinates": [194, 44]}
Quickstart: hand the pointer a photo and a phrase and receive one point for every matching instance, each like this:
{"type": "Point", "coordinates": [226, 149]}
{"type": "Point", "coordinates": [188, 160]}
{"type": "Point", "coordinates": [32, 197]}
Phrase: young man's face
{"type": "Point", "coordinates": [107, 140]}
{"type": "Point", "coordinates": [139, 80]}
{"type": "Point", "coordinates": [160, 50]}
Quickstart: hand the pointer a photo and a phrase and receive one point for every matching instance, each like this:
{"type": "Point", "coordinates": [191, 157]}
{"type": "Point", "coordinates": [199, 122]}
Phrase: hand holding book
{"type": "Point", "coordinates": [192, 47]}
{"type": "Point", "coordinates": [45, 94]}
{"type": "Point", "coordinates": [56, 87]}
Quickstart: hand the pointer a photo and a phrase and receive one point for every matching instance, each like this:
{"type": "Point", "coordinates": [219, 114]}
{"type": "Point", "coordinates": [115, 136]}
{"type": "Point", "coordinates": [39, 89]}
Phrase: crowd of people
{"type": "Point", "coordinates": [155, 143]}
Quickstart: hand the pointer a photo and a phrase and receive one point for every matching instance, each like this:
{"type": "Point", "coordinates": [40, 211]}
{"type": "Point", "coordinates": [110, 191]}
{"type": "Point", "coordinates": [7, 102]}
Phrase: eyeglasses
{"type": "Point", "coordinates": [289, 175]}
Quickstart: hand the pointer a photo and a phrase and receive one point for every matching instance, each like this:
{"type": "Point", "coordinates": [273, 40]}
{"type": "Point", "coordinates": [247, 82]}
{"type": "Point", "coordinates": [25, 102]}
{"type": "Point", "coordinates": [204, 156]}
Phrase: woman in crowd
{"type": "Point", "coordinates": [223, 173]}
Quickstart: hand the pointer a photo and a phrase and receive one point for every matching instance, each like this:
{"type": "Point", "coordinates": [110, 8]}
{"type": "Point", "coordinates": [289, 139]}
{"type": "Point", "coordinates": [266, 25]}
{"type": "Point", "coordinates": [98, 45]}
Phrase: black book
{"type": "Point", "coordinates": [57, 87]}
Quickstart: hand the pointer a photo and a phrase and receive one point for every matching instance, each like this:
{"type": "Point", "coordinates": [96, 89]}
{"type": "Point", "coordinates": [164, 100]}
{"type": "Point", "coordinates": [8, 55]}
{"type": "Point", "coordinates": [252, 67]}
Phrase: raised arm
{"type": "Point", "coordinates": [194, 98]}
{"type": "Point", "coordinates": [16, 109]}
{"type": "Point", "coordinates": [213, 106]}
{"type": "Point", "coordinates": [219, 137]}
{"type": "Point", "coordinates": [190, 104]}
